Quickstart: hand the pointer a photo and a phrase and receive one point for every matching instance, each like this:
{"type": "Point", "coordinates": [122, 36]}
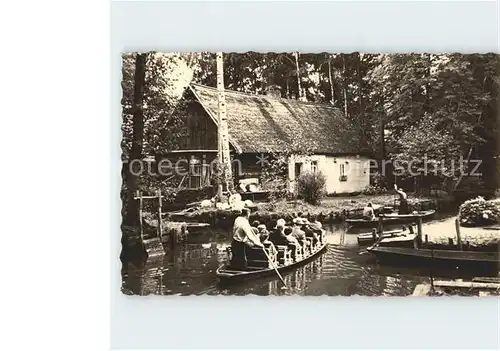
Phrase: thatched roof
{"type": "Point", "coordinates": [260, 123]}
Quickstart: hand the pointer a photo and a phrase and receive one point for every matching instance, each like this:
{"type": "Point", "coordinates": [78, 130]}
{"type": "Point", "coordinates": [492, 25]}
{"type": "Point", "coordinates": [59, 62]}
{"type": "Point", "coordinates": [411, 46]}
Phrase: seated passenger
{"type": "Point", "coordinates": [255, 224]}
{"type": "Point", "coordinates": [292, 242]}
{"type": "Point", "coordinates": [315, 224]}
{"type": "Point", "coordinates": [262, 230]}
{"type": "Point", "coordinates": [264, 238]}
{"type": "Point", "coordinates": [309, 233]}
{"type": "Point", "coordinates": [243, 237]}
{"type": "Point", "coordinates": [297, 231]}
{"type": "Point", "coordinates": [368, 212]}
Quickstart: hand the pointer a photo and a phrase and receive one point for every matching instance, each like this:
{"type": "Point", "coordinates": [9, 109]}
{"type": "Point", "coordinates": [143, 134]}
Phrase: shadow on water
{"type": "Point", "coordinates": [343, 269]}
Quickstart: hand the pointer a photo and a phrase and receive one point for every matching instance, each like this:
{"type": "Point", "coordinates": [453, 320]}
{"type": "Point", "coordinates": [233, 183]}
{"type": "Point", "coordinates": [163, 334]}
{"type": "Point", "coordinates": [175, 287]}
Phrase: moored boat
{"type": "Point", "coordinates": [226, 275]}
{"type": "Point", "coordinates": [423, 253]}
{"type": "Point", "coordinates": [453, 258]}
{"type": "Point", "coordinates": [390, 219]}
{"type": "Point", "coordinates": [365, 239]}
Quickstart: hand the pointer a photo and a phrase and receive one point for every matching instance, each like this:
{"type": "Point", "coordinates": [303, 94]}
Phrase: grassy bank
{"type": "Point", "coordinates": [330, 210]}
{"type": "Point", "coordinates": [348, 205]}
{"type": "Point", "coordinates": [443, 233]}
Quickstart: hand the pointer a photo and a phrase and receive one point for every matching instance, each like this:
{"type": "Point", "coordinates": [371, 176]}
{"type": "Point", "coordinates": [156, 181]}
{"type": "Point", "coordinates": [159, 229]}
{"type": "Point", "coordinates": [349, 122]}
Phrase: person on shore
{"type": "Point", "coordinates": [403, 201]}
{"type": "Point", "coordinates": [243, 237]}
{"type": "Point", "coordinates": [369, 213]}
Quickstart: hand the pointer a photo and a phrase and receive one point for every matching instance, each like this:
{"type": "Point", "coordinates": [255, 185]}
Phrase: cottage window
{"type": "Point", "coordinates": [314, 166]}
{"type": "Point", "coordinates": [298, 169]}
{"type": "Point", "coordinates": [343, 174]}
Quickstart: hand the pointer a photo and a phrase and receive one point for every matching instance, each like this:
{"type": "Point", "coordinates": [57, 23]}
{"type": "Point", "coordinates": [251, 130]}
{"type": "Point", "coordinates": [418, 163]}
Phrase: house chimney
{"type": "Point", "coordinates": [274, 91]}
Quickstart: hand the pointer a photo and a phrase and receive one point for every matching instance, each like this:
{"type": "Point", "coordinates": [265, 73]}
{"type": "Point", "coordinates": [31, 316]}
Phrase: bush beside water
{"type": "Point", "coordinates": [479, 212]}
{"type": "Point", "coordinates": [311, 187]}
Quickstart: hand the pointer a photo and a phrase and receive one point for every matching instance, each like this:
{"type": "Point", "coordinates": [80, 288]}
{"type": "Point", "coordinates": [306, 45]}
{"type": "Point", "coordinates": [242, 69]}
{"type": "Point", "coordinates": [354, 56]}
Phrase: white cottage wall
{"type": "Point", "coordinates": [356, 171]}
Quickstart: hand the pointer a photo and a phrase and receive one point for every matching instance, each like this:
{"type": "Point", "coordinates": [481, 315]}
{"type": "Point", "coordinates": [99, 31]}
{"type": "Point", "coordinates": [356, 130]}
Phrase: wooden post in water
{"type": "Point", "coordinates": [459, 238]}
{"type": "Point", "coordinates": [432, 265]}
{"type": "Point", "coordinates": [160, 224]}
{"type": "Point", "coordinates": [419, 229]}
{"type": "Point", "coordinates": [380, 224]}
{"type": "Point", "coordinates": [139, 195]}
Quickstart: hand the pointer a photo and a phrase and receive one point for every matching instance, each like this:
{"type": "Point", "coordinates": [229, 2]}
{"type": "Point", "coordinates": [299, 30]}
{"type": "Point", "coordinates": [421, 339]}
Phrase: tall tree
{"type": "Point", "coordinates": [131, 216]}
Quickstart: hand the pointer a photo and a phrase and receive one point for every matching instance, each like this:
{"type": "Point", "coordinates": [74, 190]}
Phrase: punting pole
{"type": "Point", "coordinates": [275, 269]}
{"type": "Point", "coordinates": [223, 133]}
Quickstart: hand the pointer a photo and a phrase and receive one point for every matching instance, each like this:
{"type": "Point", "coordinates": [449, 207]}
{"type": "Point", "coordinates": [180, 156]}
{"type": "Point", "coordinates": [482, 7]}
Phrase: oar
{"type": "Point", "coordinates": [275, 269]}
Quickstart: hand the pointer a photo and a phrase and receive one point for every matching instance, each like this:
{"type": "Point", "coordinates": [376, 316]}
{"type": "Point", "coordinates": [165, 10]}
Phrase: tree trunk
{"type": "Point", "coordinates": [382, 141]}
{"type": "Point", "coordinates": [345, 86]}
{"type": "Point", "coordinates": [330, 78]}
{"type": "Point", "coordinates": [298, 75]}
{"type": "Point", "coordinates": [361, 115]}
{"type": "Point", "coordinates": [132, 213]}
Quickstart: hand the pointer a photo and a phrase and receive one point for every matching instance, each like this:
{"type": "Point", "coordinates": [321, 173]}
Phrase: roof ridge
{"type": "Point", "coordinates": [269, 97]}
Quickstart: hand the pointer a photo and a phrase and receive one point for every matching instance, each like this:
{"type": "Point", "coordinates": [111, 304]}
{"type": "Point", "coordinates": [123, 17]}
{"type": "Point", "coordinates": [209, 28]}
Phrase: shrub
{"type": "Point", "coordinates": [479, 212]}
{"type": "Point", "coordinates": [311, 186]}
{"type": "Point", "coordinates": [373, 190]}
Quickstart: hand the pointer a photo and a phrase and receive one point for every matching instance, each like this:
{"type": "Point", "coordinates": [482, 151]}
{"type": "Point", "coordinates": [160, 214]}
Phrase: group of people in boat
{"type": "Point", "coordinates": [369, 212]}
{"type": "Point", "coordinates": [248, 235]}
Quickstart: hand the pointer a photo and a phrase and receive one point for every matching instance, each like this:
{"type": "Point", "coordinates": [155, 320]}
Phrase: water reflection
{"type": "Point", "coordinates": [343, 269]}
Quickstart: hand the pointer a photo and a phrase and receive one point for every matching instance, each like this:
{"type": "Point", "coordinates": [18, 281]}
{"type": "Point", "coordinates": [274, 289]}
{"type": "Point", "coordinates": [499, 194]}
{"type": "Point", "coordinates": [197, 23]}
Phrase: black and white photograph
{"type": "Point", "coordinates": [295, 173]}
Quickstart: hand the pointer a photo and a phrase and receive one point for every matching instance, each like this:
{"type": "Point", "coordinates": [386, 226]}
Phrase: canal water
{"type": "Point", "coordinates": [343, 269]}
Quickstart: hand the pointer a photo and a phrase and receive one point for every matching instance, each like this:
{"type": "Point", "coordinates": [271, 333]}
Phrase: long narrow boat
{"type": "Point", "coordinates": [365, 239]}
{"type": "Point", "coordinates": [454, 258]}
{"type": "Point", "coordinates": [390, 219]}
{"type": "Point", "coordinates": [225, 275]}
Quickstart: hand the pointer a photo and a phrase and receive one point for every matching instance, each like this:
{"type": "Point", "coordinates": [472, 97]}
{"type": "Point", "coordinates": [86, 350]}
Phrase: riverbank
{"type": "Point", "coordinates": [480, 286]}
{"type": "Point", "coordinates": [330, 210]}
{"type": "Point", "coordinates": [350, 205]}
{"type": "Point", "coordinates": [444, 234]}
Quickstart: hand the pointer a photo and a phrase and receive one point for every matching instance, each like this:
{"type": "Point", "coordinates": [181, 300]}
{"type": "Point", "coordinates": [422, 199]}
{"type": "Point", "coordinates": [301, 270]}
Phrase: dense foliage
{"type": "Point", "coordinates": [479, 212]}
{"type": "Point", "coordinates": [373, 190]}
{"type": "Point", "coordinates": [437, 111]}
{"type": "Point", "coordinates": [311, 187]}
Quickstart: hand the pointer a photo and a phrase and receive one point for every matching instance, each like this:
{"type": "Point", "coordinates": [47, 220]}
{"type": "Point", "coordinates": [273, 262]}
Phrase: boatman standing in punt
{"type": "Point", "coordinates": [243, 237]}
{"type": "Point", "coordinates": [403, 201]}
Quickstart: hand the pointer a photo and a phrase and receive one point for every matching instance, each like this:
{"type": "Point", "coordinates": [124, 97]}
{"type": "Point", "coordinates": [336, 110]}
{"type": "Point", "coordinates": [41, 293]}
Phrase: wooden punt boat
{"type": "Point", "coordinates": [365, 239]}
{"type": "Point", "coordinates": [453, 258]}
{"type": "Point", "coordinates": [423, 253]}
{"type": "Point", "coordinates": [390, 219]}
{"type": "Point", "coordinates": [225, 275]}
